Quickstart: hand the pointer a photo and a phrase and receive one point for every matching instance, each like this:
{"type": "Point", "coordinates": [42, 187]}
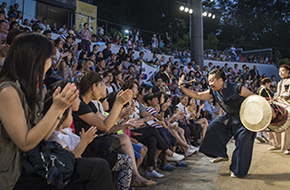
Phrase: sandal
{"type": "Point", "coordinates": [181, 164]}
{"type": "Point", "coordinates": [167, 168]}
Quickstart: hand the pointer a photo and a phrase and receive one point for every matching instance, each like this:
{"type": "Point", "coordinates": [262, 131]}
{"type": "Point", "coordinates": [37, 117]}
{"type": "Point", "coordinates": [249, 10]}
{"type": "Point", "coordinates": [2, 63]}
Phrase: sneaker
{"type": "Point", "coordinates": [287, 152]}
{"type": "Point", "coordinates": [153, 174]}
{"type": "Point", "coordinates": [190, 151]}
{"type": "Point", "coordinates": [193, 147]}
{"type": "Point", "coordinates": [174, 157]}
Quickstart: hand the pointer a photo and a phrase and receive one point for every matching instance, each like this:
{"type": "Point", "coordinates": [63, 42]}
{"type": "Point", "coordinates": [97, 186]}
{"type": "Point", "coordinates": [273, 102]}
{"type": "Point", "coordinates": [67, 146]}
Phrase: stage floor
{"type": "Point", "coordinates": [269, 170]}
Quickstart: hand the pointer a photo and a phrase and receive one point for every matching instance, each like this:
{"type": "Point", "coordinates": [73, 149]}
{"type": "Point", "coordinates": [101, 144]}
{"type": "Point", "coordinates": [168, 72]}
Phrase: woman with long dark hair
{"type": "Point", "coordinates": [22, 128]}
{"type": "Point", "coordinates": [117, 80]}
{"type": "Point", "coordinates": [121, 55]}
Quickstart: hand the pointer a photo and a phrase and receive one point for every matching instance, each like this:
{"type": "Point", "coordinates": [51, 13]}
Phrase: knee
{"type": "Point", "coordinates": [101, 165]}
{"type": "Point", "coordinates": [174, 132]}
{"type": "Point", "coordinates": [145, 149]}
{"type": "Point", "coordinates": [180, 130]}
{"type": "Point", "coordinates": [124, 139]}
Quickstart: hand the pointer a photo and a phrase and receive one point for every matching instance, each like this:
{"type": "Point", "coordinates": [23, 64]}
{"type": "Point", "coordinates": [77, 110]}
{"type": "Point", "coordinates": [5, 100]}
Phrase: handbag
{"type": "Point", "coordinates": [51, 161]}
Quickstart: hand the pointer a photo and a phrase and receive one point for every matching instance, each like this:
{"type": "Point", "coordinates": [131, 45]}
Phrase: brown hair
{"type": "Point", "coordinates": [86, 79]}
{"type": "Point", "coordinates": [129, 84]}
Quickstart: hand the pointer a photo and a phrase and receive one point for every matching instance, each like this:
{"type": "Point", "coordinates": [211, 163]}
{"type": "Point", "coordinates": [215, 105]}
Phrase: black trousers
{"type": "Point", "coordinates": [195, 130]}
{"type": "Point", "coordinates": [86, 46]}
{"type": "Point", "coordinates": [152, 139]}
{"type": "Point", "coordinates": [89, 174]}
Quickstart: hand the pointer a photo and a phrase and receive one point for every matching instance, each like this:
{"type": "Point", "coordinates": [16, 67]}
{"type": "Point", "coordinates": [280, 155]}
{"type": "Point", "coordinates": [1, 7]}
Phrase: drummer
{"type": "Point", "coordinates": [281, 140]}
{"type": "Point", "coordinates": [229, 96]}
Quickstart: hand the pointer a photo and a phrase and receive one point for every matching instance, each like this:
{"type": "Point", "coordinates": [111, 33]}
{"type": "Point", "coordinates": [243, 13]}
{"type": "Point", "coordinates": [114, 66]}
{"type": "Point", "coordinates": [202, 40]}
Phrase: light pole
{"type": "Point", "coordinates": [196, 29]}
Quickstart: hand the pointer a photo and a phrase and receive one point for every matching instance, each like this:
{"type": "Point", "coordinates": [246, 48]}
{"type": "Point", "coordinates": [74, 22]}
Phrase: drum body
{"type": "Point", "coordinates": [256, 114]}
{"type": "Point", "coordinates": [282, 122]}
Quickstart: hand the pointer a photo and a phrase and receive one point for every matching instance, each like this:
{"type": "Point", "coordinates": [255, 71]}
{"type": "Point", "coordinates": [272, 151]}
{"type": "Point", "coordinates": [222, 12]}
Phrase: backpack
{"type": "Point", "coordinates": [51, 161]}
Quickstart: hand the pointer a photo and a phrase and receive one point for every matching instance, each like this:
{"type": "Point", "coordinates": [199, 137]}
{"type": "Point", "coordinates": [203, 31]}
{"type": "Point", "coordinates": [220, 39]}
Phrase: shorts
{"type": "Point", "coordinates": [137, 149]}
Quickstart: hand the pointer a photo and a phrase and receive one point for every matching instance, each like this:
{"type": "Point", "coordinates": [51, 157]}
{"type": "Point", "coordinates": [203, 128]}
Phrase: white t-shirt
{"type": "Point", "coordinates": [110, 89]}
{"type": "Point", "coordinates": [99, 106]}
{"type": "Point", "coordinates": [183, 108]}
{"type": "Point", "coordinates": [66, 139]}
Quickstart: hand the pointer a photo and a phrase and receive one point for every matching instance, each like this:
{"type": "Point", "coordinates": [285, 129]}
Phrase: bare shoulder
{"type": "Point", "coordinates": [9, 102]}
{"type": "Point", "coordinates": [8, 92]}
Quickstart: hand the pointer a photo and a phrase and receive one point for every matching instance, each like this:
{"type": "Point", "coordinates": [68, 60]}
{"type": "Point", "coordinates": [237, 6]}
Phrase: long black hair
{"type": "Point", "coordinates": [25, 63]}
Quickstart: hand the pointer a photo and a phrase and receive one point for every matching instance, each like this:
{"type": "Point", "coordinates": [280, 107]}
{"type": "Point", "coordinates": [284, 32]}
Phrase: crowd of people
{"type": "Point", "coordinates": [230, 55]}
{"type": "Point", "coordinates": [93, 104]}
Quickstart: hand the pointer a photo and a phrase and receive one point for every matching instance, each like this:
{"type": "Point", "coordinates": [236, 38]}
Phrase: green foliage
{"type": "Point", "coordinates": [114, 32]}
{"type": "Point", "coordinates": [241, 40]}
{"type": "Point", "coordinates": [282, 62]}
{"type": "Point", "coordinates": [181, 42]}
{"type": "Point", "coordinates": [211, 42]}
{"type": "Point", "coordinates": [262, 23]}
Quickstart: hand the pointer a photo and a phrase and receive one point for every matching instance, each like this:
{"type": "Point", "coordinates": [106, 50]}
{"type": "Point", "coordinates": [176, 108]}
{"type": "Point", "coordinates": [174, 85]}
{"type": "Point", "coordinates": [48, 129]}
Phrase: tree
{"type": "Point", "coordinates": [211, 42]}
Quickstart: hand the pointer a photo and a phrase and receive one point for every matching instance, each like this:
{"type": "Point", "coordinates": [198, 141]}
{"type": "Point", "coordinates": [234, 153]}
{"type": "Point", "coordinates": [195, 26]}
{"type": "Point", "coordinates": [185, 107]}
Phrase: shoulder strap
{"type": "Point", "coordinates": [114, 87]}
{"type": "Point", "coordinates": [5, 84]}
{"type": "Point", "coordinates": [260, 91]}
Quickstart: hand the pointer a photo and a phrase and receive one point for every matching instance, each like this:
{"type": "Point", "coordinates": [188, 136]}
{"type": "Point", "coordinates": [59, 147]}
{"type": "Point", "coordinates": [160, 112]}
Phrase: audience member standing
{"type": "Point", "coordinates": [86, 38]}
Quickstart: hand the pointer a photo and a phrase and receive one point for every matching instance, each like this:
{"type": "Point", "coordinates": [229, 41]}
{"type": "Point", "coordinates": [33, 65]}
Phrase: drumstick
{"type": "Point", "coordinates": [188, 82]}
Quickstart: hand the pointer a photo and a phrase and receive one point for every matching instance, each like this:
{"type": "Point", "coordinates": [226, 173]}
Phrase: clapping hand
{"type": "Point", "coordinates": [126, 111]}
{"type": "Point", "coordinates": [134, 123]}
{"type": "Point", "coordinates": [63, 99]}
{"type": "Point", "coordinates": [124, 96]}
{"type": "Point", "coordinates": [89, 135]}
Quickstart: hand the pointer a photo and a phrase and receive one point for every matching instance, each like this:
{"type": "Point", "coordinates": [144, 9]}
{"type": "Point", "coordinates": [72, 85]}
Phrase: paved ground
{"type": "Point", "coordinates": [269, 170]}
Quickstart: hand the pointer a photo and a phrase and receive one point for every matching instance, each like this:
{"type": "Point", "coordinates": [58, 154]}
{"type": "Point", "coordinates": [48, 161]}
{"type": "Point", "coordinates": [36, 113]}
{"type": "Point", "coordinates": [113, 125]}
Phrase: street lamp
{"type": "Point", "coordinates": [126, 31]}
{"type": "Point", "coordinates": [190, 11]}
{"type": "Point", "coordinates": [186, 9]}
{"type": "Point", "coordinates": [213, 16]}
{"type": "Point", "coordinates": [209, 14]}
{"type": "Point", "coordinates": [181, 8]}
{"type": "Point", "coordinates": [204, 14]}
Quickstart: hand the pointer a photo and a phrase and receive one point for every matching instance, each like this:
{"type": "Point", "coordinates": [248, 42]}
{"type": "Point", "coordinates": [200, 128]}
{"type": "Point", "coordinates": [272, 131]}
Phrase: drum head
{"type": "Point", "coordinates": [255, 113]}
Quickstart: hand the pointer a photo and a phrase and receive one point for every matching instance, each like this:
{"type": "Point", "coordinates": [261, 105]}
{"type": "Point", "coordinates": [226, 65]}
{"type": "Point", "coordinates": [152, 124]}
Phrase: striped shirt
{"type": "Point", "coordinates": [153, 123]}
